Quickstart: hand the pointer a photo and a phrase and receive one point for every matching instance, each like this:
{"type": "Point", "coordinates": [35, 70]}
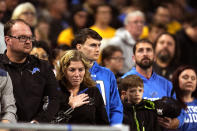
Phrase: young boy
{"type": "Point", "coordinates": [138, 113]}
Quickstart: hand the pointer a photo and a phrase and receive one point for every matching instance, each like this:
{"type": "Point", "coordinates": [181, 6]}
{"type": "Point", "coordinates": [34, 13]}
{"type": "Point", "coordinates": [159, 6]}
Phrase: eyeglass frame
{"type": "Point", "coordinates": [42, 56]}
{"type": "Point", "coordinates": [118, 58]}
{"type": "Point", "coordinates": [29, 13]}
{"type": "Point", "coordinates": [137, 22]}
{"type": "Point", "coordinates": [32, 39]}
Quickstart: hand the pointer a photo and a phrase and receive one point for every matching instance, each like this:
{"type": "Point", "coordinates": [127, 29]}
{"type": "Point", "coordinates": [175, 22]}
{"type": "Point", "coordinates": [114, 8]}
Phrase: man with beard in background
{"type": "Point", "coordinates": [166, 53]}
{"type": "Point", "coordinates": [155, 86]}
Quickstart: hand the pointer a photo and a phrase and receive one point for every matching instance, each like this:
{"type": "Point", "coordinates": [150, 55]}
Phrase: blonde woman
{"type": "Point", "coordinates": [27, 12]}
{"type": "Point", "coordinates": [81, 101]}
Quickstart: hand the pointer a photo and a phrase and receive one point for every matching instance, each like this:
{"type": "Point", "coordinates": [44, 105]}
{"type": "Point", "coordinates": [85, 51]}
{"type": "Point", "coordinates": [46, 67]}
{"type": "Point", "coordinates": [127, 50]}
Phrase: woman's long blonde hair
{"type": "Point", "coordinates": [74, 55]}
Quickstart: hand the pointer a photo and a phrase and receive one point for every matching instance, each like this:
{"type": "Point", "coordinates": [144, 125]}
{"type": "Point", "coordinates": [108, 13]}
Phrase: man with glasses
{"type": "Point", "coordinates": [32, 78]}
{"type": "Point", "coordinates": [126, 37]}
{"type": "Point", "coordinates": [112, 58]}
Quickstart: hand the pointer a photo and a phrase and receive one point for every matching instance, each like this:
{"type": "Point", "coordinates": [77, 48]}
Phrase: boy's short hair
{"type": "Point", "coordinates": [131, 81]}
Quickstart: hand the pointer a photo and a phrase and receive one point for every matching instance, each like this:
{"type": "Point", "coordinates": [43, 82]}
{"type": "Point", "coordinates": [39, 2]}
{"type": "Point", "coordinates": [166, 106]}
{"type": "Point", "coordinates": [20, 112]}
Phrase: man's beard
{"type": "Point", "coordinates": [145, 65]}
{"type": "Point", "coordinates": [164, 57]}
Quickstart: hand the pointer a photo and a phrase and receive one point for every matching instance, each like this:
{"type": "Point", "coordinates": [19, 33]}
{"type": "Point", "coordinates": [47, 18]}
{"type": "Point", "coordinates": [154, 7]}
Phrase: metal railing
{"type": "Point", "coordinates": [57, 127]}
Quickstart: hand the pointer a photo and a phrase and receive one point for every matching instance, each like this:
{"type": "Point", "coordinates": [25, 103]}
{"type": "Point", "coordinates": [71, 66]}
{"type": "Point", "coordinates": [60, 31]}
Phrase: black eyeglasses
{"type": "Point", "coordinates": [118, 58]}
{"type": "Point", "coordinates": [23, 38]}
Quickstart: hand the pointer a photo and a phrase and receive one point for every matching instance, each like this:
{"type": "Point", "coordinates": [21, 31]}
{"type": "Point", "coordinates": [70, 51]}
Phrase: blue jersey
{"type": "Point", "coordinates": [190, 120]}
{"type": "Point", "coordinates": [106, 83]}
{"type": "Point", "coordinates": [154, 88]}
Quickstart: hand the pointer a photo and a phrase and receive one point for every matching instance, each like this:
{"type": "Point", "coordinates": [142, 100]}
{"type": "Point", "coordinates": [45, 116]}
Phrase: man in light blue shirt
{"type": "Point", "coordinates": [155, 86]}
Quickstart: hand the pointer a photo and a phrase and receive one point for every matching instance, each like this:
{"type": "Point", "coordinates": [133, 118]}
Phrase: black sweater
{"type": "Point", "coordinates": [188, 48]}
{"type": "Point", "coordinates": [93, 113]}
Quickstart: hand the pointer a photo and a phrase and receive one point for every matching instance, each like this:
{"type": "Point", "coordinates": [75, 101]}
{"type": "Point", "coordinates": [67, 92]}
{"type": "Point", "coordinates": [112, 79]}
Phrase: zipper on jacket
{"type": "Point", "coordinates": [143, 128]}
{"type": "Point", "coordinates": [135, 118]}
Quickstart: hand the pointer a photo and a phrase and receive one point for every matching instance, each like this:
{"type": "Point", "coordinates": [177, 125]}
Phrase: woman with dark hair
{"type": "Point", "coordinates": [184, 85]}
{"type": "Point", "coordinates": [78, 21]}
{"type": "Point", "coordinates": [81, 101]}
{"type": "Point", "coordinates": [42, 51]}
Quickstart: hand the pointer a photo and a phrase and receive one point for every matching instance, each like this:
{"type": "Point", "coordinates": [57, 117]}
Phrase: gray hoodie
{"type": "Point", "coordinates": [7, 103]}
{"type": "Point", "coordinates": [125, 41]}
{"type": "Point", "coordinates": [2, 41]}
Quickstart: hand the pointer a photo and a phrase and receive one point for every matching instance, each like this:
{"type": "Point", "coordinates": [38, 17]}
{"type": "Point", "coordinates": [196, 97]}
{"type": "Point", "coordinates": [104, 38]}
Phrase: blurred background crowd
{"type": "Point", "coordinates": [170, 24]}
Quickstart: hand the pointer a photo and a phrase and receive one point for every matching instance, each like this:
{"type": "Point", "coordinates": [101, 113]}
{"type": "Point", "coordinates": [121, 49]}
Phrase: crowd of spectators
{"type": "Point", "coordinates": [56, 23]}
{"type": "Point", "coordinates": [148, 38]}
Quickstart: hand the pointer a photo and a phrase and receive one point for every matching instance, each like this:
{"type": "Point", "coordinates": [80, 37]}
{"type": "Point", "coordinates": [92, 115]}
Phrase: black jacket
{"type": "Point", "coordinates": [32, 80]}
{"type": "Point", "coordinates": [141, 114]}
{"type": "Point", "coordinates": [166, 72]}
{"type": "Point", "coordinates": [93, 113]}
{"type": "Point", "coordinates": [188, 49]}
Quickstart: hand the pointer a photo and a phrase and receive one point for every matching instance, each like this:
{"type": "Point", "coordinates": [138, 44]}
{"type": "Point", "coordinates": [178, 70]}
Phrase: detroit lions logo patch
{"type": "Point", "coordinates": [35, 69]}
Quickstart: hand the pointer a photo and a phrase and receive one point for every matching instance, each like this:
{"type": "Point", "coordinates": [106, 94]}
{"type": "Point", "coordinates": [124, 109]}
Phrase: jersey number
{"type": "Point", "coordinates": [102, 90]}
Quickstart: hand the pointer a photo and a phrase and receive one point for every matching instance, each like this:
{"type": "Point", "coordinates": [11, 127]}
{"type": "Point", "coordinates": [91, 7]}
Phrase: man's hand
{"type": "Point", "coordinates": [79, 100]}
{"type": "Point", "coordinates": [169, 123]}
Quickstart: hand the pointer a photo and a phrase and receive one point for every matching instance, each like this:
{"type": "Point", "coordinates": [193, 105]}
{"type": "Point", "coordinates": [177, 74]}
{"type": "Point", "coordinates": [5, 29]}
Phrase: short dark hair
{"type": "Point", "coordinates": [142, 41]}
{"type": "Point", "coordinates": [43, 45]}
{"type": "Point", "coordinates": [158, 25]}
{"type": "Point", "coordinates": [131, 81]}
{"type": "Point", "coordinates": [190, 19]}
{"type": "Point", "coordinates": [8, 26]}
{"type": "Point", "coordinates": [108, 51]}
{"type": "Point", "coordinates": [82, 35]}
{"type": "Point", "coordinates": [194, 23]}
{"type": "Point", "coordinates": [101, 5]}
